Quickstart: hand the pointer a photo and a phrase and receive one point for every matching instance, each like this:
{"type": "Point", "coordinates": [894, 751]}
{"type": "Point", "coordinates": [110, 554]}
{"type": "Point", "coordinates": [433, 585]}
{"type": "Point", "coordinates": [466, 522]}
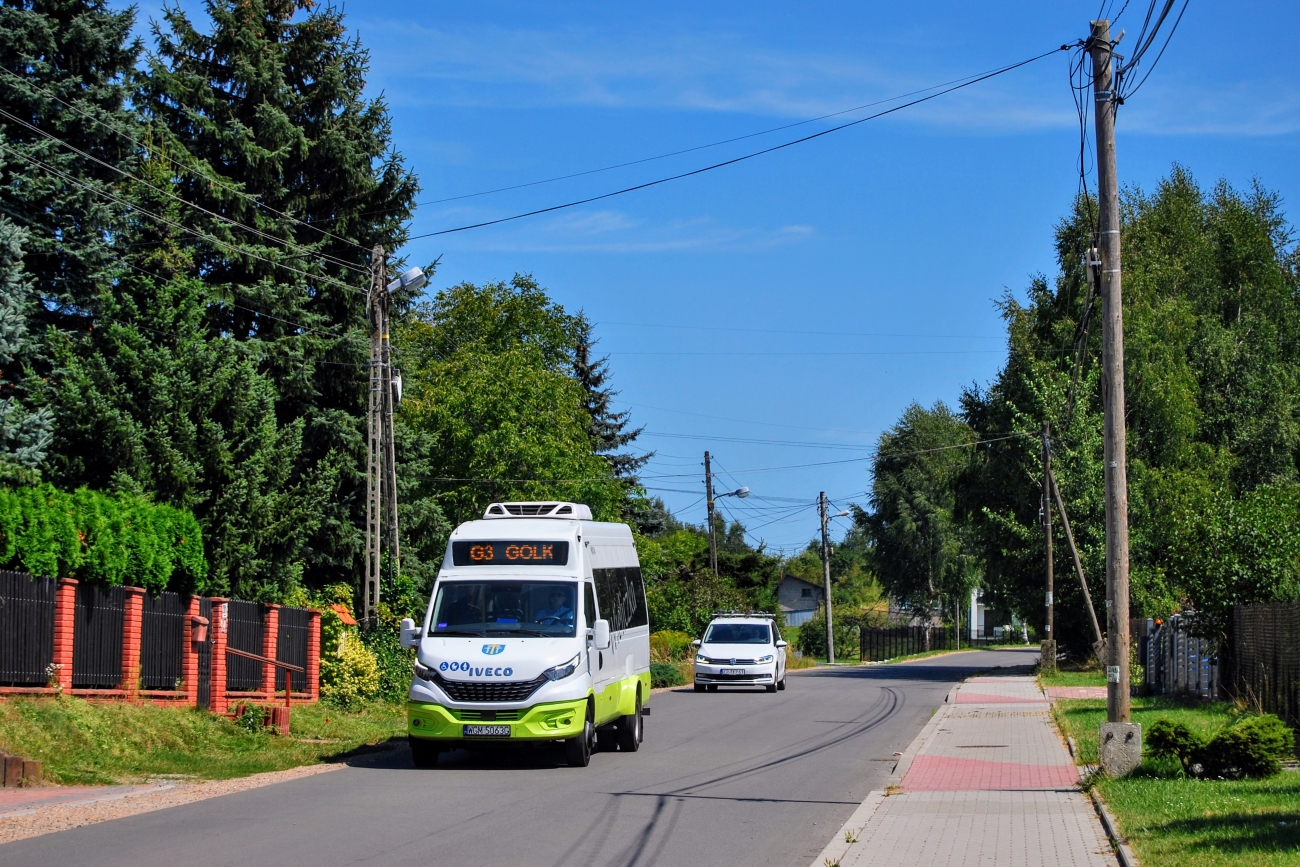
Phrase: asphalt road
{"type": "Point", "coordinates": [741, 778]}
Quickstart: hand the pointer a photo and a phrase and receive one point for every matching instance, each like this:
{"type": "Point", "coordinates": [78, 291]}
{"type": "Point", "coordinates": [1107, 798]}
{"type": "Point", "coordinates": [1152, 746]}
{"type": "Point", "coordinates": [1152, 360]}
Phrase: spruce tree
{"type": "Point", "coordinates": [24, 433]}
{"type": "Point", "coordinates": [608, 429]}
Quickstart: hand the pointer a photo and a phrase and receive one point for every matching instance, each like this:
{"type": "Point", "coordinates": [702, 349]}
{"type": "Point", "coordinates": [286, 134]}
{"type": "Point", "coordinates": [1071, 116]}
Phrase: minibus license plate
{"type": "Point", "coordinates": [733, 671]}
{"type": "Point", "coordinates": [486, 731]}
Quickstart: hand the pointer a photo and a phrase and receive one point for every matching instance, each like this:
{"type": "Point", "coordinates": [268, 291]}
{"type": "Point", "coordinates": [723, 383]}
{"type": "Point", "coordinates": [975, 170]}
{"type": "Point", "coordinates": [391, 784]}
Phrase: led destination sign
{"type": "Point", "coordinates": [509, 553]}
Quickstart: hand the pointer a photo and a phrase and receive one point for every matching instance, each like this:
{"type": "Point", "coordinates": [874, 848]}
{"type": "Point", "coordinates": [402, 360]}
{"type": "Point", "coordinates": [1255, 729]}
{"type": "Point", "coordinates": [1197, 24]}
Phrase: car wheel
{"type": "Point", "coordinates": [423, 753]}
{"type": "Point", "coordinates": [713, 687]}
{"type": "Point", "coordinates": [699, 687]}
{"type": "Point", "coordinates": [578, 750]}
{"type": "Point", "coordinates": [780, 684]}
{"type": "Point", "coordinates": [771, 687]}
{"type": "Point", "coordinates": [629, 729]}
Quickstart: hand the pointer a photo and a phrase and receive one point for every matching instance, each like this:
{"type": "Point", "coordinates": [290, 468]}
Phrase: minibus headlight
{"type": "Point", "coordinates": [767, 658]}
{"type": "Point", "coordinates": [423, 673]}
{"type": "Point", "coordinates": [560, 672]}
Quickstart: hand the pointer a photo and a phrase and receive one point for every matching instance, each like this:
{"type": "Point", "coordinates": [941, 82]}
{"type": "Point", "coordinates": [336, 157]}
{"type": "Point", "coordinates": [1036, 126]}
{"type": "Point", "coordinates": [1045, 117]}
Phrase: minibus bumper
{"type": "Point", "coordinates": [549, 721]}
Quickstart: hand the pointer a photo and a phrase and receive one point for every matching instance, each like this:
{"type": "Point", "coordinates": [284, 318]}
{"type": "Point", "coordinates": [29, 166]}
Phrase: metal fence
{"type": "Point", "coordinates": [1178, 662]}
{"type": "Point", "coordinates": [291, 646]}
{"type": "Point", "coordinates": [162, 641]}
{"type": "Point", "coordinates": [26, 629]}
{"type": "Point", "coordinates": [889, 642]}
{"type": "Point", "coordinates": [204, 648]}
{"type": "Point", "coordinates": [247, 629]}
{"type": "Point", "coordinates": [98, 617]}
{"type": "Point", "coordinates": [1265, 660]}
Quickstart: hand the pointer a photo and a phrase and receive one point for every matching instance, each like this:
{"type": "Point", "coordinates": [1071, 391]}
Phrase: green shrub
{"type": "Point", "coordinates": [812, 638]}
{"type": "Point", "coordinates": [1253, 747]}
{"type": "Point", "coordinates": [665, 674]}
{"type": "Point", "coordinates": [351, 675]}
{"type": "Point", "coordinates": [670, 646]}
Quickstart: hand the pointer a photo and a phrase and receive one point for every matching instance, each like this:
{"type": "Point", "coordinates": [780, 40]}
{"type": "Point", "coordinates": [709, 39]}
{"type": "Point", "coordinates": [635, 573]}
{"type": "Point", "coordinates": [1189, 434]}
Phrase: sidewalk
{"type": "Point", "coordinates": [987, 782]}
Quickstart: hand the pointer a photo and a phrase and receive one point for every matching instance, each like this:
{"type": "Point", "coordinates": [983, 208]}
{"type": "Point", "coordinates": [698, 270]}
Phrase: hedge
{"type": "Point", "coordinates": [102, 538]}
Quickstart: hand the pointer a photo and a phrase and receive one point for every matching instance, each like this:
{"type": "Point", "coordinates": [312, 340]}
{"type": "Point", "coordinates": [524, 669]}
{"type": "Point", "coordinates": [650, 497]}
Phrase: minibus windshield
{"type": "Point", "coordinates": [483, 608]}
{"type": "Point", "coordinates": [738, 633]}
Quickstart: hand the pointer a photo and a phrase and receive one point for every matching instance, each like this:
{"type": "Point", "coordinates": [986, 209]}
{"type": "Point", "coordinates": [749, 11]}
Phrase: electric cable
{"type": "Point", "coordinates": [738, 159]}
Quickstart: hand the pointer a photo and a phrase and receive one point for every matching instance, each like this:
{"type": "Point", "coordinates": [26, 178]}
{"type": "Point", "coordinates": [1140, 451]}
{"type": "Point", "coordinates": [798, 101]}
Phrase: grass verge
{"type": "Point", "coordinates": [80, 742]}
{"type": "Point", "coordinates": [1172, 820]}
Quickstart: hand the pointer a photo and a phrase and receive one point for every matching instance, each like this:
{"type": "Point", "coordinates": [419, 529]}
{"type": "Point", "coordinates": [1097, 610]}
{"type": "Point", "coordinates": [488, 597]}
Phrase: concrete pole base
{"type": "Point", "coordinates": [1047, 657]}
{"type": "Point", "coordinates": [1121, 748]}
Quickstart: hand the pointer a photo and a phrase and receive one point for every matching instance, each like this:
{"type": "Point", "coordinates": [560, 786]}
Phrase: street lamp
{"type": "Point", "coordinates": [826, 575]}
{"type": "Point", "coordinates": [740, 494]}
{"type": "Point", "coordinates": [412, 279]}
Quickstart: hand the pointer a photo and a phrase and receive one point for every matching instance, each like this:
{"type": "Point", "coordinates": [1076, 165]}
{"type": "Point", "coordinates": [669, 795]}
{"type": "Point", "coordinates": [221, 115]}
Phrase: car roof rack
{"type": "Point", "coordinates": [735, 613]}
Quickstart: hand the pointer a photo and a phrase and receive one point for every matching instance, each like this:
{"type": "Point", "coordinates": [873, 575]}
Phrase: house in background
{"type": "Point", "coordinates": [799, 599]}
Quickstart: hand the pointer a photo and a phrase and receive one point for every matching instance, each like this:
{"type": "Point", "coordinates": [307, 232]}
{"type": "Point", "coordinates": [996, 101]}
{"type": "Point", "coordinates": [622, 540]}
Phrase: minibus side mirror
{"type": "Point", "coordinates": [410, 633]}
{"type": "Point", "coordinates": [600, 635]}
{"type": "Point", "coordinates": [695, 643]}
{"type": "Point", "coordinates": [782, 643]}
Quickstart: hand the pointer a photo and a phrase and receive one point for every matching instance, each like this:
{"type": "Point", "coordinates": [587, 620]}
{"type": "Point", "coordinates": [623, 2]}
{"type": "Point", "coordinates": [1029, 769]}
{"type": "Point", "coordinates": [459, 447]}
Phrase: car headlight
{"type": "Point", "coordinates": [559, 672]}
{"type": "Point", "coordinates": [700, 657]}
{"type": "Point", "coordinates": [767, 658]}
{"type": "Point", "coordinates": [423, 673]}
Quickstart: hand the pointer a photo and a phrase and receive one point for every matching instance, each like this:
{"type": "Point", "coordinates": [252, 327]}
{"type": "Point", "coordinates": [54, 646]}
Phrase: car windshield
{"type": "Point", "coordinates": [538, 608]}
{"type": "Point", "coordinates": [738, 633]}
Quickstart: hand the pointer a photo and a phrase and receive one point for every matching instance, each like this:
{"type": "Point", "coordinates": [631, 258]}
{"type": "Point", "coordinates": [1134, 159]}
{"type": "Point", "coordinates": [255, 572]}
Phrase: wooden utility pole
{"type": "Point", "coordinates": [708, 494]}
{"type": "Point", "coordinates": [1112, 356]}
{"type": "Point", "coordinates": [381, 459]}
{"type": "Point", "coordinates": [826, 580]}
{"type": "Point", "coordinates": [1048, 659]}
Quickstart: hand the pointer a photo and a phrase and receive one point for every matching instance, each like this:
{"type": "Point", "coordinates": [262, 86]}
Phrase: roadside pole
{"type": "Point", "coordinates": [1121, 740]}
{"type": "Point", "coordinates": [708, 495]}
{"type": "Point", "coordinates": [826, 578]}
{"type": "Point", "coordinates": [1048, 657]}
{"type": "Point", "coordinates": [375, 439]}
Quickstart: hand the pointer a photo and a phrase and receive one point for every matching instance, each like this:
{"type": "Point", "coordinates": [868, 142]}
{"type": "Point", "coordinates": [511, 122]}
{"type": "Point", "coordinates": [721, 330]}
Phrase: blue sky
{"type": "Point", "coordinates": [804, 298]}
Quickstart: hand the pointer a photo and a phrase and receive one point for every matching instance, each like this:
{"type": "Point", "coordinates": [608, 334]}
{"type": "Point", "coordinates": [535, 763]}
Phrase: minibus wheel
{"type": "Point", "coordinates": [423, 753]}
{"type": "Point", "coordinates": [578, 750]}
{"type": "Point", "coordinates": [629, 729]}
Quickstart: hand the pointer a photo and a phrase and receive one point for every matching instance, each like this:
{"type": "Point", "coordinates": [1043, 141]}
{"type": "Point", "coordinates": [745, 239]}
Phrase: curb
{"type": "Point", "coordinates": [1122, 850]}
{"type": "Point", "coordinates": [838, 847]}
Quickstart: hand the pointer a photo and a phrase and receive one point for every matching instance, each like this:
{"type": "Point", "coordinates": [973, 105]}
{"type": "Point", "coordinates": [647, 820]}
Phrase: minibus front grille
{"type": "Point", "coordinates": [460, 690]}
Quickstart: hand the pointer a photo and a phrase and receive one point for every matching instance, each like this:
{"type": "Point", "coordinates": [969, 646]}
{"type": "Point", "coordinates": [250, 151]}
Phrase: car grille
{"type": "Point", "coordinates": [487, 715]}
{"type": "Point", "coordinates": [460, 690]}
{"type": "Point", "coordinates": [733, 662]}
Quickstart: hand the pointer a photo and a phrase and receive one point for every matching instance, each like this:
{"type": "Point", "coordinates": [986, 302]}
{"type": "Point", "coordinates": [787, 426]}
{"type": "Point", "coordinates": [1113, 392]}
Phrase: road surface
{"type": "Point", "coordinates": [741, 778]}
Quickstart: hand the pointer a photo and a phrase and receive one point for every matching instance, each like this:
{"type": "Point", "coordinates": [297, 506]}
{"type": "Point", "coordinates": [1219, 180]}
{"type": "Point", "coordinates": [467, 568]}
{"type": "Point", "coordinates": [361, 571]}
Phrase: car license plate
{"type": "Point", "coordinates": [733, 671]}
{"type": "Point", "coordinates": [486, 731]}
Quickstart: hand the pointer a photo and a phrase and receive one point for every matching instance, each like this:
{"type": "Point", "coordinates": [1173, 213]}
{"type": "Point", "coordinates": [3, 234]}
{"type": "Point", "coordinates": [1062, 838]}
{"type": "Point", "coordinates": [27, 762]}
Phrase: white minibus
{"type": "Point", "coordinates": [536, 630]}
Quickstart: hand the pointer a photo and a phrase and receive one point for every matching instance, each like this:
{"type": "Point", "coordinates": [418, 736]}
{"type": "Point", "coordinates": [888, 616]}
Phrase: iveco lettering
{"type": "Point", "coordinates": [537, 631]}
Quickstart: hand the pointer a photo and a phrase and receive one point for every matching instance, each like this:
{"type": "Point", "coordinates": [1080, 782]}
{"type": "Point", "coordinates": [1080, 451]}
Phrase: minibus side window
{"type": "Point", "coordinates": [589, 604]}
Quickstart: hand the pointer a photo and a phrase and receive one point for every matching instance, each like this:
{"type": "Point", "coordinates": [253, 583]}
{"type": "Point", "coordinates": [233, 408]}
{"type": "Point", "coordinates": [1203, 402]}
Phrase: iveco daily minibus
{"type": "Point", "coordinates": [537, 630]}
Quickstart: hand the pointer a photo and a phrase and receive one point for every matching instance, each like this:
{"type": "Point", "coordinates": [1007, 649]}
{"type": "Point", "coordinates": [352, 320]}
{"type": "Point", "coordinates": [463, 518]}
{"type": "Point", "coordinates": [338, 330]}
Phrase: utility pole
{"type": "Point", "coordinates": [1121, 741]}
{"type": "Point", "coordinates": [381, 457]}
{"type": "Point", "coordinates": [826, 579]}
{"type": "Point", "coordinates": [1099, 643]}
{"type": "Point", "coordinates": [1048, 660]}
{"type": "Point", "coordinates": [708, 494]}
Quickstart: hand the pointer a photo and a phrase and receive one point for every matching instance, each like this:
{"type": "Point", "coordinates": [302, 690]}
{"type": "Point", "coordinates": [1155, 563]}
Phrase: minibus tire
{"type": "Point", "coordinates": [578, 750]}
{"type": "Point", "coordinates": [629, 729]}
{"type": "Point", "coordinates": [423, 754]}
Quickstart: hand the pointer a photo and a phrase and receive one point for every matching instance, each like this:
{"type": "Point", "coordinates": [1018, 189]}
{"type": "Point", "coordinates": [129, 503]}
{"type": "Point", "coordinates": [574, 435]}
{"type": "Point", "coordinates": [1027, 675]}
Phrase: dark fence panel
{"type": "Point", "coordinates": [26, 629]}
{"type": "Point", "coordinates": [205, 657]}
{"type": "Point", "coordinates": [162, 640]}
{"type": "Point", "coordinates": [1266, 658]}
{"type": "Point", "coordinates": [247, 628]}
{"type": "Point", "coordinates": [98, 617]}
{"type": "Point", "coordinates": [890, 642]}
{"type": "Point", "coordinates": [291, 646]}
{"type": "Point", "coordinates": [1177, 662]}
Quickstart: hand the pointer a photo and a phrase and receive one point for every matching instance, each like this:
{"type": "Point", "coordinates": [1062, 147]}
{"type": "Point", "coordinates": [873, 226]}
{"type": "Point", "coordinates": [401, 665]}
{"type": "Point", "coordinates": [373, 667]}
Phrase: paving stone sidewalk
{"type": "Point", "coordinates": [988, 782]}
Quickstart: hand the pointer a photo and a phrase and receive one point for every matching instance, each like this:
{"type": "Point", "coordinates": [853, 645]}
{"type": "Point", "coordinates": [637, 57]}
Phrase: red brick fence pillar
{"type": "Point", "coordinates": [132, 624]}
{"type": "Point", "coordinates": [65, 606]}
{"type": "Point", "coordinates": [270, 640]}
{"type": "Point", "coordinates": [218, 630]}
{"type": "Point", "coordinates": [313, 655]}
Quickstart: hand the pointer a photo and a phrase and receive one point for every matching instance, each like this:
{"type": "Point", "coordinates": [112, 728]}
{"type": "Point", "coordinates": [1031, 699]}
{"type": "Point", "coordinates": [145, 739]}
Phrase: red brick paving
{"type": "Point", "coordinates": [931, 773]}
{"type": "Point", "coordinates": [964, 697]}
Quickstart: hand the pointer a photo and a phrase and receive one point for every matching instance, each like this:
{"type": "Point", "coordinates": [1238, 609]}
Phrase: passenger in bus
{"type": "Point", "coordinates": [557, 609]}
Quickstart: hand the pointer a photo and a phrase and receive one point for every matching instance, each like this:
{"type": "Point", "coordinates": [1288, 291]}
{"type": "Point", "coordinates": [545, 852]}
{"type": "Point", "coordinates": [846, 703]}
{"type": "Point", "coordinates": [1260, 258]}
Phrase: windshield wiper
{"type": "Point", "coordinates": [523, 632]}
{"type": "Point", "coordinates": [459, 632]}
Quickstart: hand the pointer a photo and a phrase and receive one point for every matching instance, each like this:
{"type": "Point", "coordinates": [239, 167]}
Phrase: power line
{"type": "Point", "coordinates": [288, 245]}
{"type": "Point", "coordinates": [811, 333]}
{"type": "Point", "coordinates": [738, 159]}
{"type": "Point", "coordinates": [213, 179]}
{"type": "Point", "coordinates": [749, 353]}
{"type": "Point", "coordinates": [763, 442]}
{"type": "Point", "coordinates": [695, 148]}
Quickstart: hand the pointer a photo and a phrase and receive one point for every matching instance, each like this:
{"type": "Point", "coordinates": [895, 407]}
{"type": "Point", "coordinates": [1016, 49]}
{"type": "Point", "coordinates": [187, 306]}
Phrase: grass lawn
{"type": "Point", "coordinates": [1171, 819]}
{"type": "Point", "coordinates": [83, 743]}
{"type": "Point", "coordinates": [1074, 678]}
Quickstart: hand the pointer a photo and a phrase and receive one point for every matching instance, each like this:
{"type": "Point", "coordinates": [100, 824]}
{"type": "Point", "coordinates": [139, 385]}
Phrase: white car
{"type": "Point", "coordinates": [740, 650]}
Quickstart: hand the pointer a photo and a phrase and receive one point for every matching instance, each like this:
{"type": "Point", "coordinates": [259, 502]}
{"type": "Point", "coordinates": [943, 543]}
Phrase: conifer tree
{"type": "Point", "coordinates": [608, 429]}
{"type": "Point", "coordinates": [24, 434]}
